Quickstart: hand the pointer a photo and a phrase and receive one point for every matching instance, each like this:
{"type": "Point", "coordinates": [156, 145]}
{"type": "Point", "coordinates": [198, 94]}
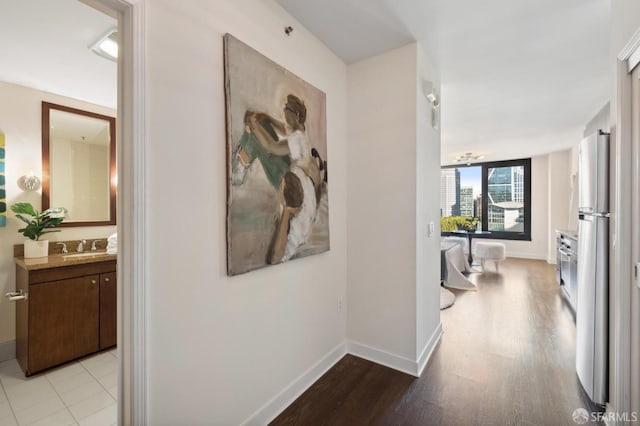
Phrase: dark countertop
{"type": "Point", "coordinates": [61, 260]}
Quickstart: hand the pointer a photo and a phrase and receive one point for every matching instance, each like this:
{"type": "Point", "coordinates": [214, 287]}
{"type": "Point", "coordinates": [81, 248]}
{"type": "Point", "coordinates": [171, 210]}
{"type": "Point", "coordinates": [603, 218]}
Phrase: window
{"type": "Point", "coordinates": [494, 197]}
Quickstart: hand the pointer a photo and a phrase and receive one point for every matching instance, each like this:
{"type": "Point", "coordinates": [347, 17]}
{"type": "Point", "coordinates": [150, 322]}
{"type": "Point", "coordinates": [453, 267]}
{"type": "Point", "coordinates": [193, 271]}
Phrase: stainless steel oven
{"type": "Point", "coordinates": [568, 268]}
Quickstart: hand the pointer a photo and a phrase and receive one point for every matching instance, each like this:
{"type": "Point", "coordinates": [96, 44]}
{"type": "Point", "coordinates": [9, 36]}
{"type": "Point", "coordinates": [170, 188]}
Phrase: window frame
{"type": "Point", "coordinates": [500, 235]}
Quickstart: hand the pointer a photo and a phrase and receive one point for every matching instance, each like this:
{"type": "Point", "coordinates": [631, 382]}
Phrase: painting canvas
{"type": "Point", "coordinates": [277, 177]}
{"type": "Point", "coordinates": [3, 192]}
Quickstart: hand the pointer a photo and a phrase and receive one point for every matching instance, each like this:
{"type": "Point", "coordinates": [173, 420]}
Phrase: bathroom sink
{"type": "Point", "coordinates": [77, 255]}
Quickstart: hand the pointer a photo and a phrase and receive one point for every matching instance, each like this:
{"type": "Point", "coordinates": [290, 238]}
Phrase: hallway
{"type": "Point", "coordinates": [507, 357]}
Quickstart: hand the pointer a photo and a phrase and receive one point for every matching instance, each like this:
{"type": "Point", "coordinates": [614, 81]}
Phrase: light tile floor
{"type": "Point", "coordinates": [83, 392]}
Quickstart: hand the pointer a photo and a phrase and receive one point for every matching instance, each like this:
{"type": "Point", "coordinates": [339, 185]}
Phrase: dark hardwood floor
{"type": "Point", "coordinates": [506, 358]}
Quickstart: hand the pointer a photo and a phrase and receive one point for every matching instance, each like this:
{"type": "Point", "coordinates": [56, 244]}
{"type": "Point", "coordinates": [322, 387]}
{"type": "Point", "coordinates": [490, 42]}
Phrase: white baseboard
{"type": "Point", "coordinates": [7, 350]}
{"type": "Point", "coordinates": [381, 357]}
{"type": "Point", "coordinates": [428, 349]}
{"type": "Point", "coordinates": [528, 256]}
{"type": "Point", "coordinates": [394, 361]}
{"type": "Point", "coordinates": [282, 400]}
{"type": "Point", "coordinates": [277, 404]}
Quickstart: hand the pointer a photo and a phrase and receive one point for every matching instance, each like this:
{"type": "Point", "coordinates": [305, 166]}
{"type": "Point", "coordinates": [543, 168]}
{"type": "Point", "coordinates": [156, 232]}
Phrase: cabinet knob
{"type": "Point", "coordinates": [106, 280]}
{"type": "Point", "coordinates": [93, 281]}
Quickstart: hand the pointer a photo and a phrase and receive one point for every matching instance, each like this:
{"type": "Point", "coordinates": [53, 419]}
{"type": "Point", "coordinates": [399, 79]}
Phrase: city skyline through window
{"type": "Point", "coordinates": [471, 177]}
{"type": "Point", "coordinates": [500, 190]}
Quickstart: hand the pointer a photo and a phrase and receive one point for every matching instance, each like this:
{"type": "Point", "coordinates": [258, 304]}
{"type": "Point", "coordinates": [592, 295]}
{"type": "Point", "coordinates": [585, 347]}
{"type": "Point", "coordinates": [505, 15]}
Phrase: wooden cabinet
{"type": "Point", "coordinates": [70, 312]}
{"type": "Point", "coordinates": [108, 310]}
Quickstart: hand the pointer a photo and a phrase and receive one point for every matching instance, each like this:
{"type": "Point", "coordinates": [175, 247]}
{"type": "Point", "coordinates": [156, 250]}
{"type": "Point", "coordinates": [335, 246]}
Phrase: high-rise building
{"type": "Point", "coordinates": [449, 192]}
{"type": "Point", "coordinates": [466, 201]}
{"type": "Point", "coordinates": [506, 199]}
{"type": "Point", "coordinates": [478, 207]}
{"type": "Point", "coordinates": [506, 216]}
{"type": "Point", "coordinates": [517, 179]}
{"type": "Point", "coordinates": [506, 184]}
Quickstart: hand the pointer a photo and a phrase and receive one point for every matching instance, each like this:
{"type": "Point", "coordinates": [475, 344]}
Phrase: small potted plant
{"type": "Point", "coordinates": [38, 224]}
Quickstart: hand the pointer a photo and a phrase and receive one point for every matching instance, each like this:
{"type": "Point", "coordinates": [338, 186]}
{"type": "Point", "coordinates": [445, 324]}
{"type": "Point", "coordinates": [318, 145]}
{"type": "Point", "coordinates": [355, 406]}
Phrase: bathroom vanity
{"type": "Point", "coordinates": [65, 307]}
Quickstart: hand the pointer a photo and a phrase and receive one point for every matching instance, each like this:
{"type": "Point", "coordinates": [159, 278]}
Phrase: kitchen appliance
{"type": "Point", "coordinates": [568, 267]}
{"type": "Point", "coordinates": [593, 260]}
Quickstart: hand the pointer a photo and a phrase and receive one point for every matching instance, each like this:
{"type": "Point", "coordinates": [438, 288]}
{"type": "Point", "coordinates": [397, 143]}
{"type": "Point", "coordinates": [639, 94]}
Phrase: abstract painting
{"type": "Point", "coordinates": [3, 191]}
{"type": "Point", "coordinates": [277, 180]}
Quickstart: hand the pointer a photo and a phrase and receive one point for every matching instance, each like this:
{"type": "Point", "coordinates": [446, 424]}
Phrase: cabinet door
{"type": "Point", "coordinates": [108, 310]}
{"type": "Point", "coordinates": [63, 321]}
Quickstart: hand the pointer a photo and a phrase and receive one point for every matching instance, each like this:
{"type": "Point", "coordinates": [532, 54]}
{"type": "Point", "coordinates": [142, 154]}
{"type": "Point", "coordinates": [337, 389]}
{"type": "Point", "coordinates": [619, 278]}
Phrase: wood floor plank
{"type": "Point", "coordinates": [507, 357]}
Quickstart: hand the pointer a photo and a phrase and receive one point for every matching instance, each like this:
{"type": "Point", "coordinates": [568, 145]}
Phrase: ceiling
{"type": "Point", "coordinates": [72, 127]}
{"type": "Point", "coordinates": [519, 78]}
{"type": "Point", "coordinates": [44, 44]}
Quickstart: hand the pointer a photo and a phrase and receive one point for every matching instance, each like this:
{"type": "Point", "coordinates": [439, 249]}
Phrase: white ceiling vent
{"type": "Point", "coordinates": [107, 45]}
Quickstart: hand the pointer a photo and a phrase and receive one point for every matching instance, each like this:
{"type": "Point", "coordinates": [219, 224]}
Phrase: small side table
{"type": "Point", "coordinates": [470, 236]}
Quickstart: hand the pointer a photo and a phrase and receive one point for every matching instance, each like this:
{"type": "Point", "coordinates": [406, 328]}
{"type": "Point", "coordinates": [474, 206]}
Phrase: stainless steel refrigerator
{"type": "Point", "coordinates": [593, 266]}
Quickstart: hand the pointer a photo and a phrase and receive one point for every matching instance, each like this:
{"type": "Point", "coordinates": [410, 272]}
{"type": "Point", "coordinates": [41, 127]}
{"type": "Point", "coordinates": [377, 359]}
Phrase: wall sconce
{"type": "Point", "coordinates": [29, 182]}
{"type": "Point", "coordinates": [434, 100]}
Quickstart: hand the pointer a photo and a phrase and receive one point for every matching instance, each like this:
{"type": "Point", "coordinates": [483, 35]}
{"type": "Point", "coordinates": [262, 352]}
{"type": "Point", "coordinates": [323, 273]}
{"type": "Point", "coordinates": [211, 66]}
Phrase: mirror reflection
{"type": "Point", "coordinates": [79, 164]}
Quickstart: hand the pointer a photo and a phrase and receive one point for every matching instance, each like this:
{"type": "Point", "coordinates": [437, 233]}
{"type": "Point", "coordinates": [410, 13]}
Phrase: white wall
{"type": "Point", "coordinates": [20, 120]}
{"type": "Point", "coordinates": [393, 192]}
{"type": "Point", "coordinates": [428, 211]}
{"type": "Point", "coordinates": [625, 21]}
{"type": "Point", "coordinates": [538, 246]}
{"type": "Point", "coordinates": [600, 121]}
{"type": "Point", "coordinates": [220, 348]}
{"type": "Point", "coordinates": [559, 196]}
{"type": "Point", "coordinates": [382, 202]}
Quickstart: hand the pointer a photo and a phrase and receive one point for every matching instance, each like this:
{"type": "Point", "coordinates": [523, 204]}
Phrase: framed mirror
{"type": "Point", "coordinates": [79, 165]}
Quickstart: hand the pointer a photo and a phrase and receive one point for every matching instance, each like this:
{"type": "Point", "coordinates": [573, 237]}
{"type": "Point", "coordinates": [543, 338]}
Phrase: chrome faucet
{"type": "Point", "coordinates": [93, 245]}
{"type": "Point", "coordinates": [81, 244]}
{"type": "Point", "coordinates": [64, 247]}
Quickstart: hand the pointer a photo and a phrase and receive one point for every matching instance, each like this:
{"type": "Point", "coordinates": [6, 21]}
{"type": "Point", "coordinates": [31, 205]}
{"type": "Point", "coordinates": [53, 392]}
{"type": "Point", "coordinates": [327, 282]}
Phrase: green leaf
{"type": "Point", "coordinates": [38, 222]}
{"type": "Point", "coordinates": [24, 219]}
{"type": "Point", "coordinates": [25, 208]}
{"type": "Point", "coordinates": [50, 223]}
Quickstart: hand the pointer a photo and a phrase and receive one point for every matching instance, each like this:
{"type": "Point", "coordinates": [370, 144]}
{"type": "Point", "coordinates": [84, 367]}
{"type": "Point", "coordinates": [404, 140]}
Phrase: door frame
{"type": "Point", "coordinates": [622, 276]}
{"type": "Point", "coordinates": [131, 145]}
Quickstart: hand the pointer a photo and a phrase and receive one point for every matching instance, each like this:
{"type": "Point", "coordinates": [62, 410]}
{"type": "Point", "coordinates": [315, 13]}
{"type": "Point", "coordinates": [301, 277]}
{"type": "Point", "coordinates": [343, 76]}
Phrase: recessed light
{"type": "Point", "coordinates": [107, 45]}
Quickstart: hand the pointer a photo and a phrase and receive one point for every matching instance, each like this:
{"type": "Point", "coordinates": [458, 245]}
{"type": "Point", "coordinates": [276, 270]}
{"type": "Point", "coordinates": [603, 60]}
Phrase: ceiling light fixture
{"type": "Point", "coordinates": [107, 45]}
{"type": "Point", "coordinates": [468, 158]}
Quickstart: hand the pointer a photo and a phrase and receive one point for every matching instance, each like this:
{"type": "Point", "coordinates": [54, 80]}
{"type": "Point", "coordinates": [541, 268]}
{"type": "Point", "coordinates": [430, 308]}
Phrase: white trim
{"type": "Point", "coordinates": [132, 261]}
{"type": "Point", "coordinates": [428, 349]}
{"type": "Point", "coordinates": [394, 361]}
{"type": "Point", "coordinates": [7, 350]}
{"type": "Point", "coordinates": [621, 241]}
{"type": "Point", "coordinates": [297, 387]}
{"type": "Point", "coordinates": [631, 52]}
{"type": "Point", "coordinates": [381, 357]}
{"type": "Point", "coordinates": [132, 208]}
{"type": "Point", "coordinates": [527, 256]}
